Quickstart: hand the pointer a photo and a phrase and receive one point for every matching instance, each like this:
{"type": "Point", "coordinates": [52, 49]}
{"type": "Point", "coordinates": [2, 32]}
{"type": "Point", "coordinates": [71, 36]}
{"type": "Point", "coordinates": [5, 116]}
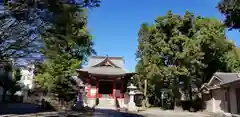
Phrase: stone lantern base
{"type": "Point", "coordinates": [132, 107]}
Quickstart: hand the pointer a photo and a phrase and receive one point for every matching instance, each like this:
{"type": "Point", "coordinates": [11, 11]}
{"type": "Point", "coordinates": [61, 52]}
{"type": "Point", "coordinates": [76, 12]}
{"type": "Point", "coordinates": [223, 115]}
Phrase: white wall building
{"type": "Point", "coordinates": [222, 93]}
{"type": "Point", "coordinates": [28, 76]}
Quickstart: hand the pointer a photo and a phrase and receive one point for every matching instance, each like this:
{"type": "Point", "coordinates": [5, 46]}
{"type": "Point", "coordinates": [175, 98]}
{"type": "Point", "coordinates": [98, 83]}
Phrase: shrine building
{"type": "Point", "coordinates": [106, 79]}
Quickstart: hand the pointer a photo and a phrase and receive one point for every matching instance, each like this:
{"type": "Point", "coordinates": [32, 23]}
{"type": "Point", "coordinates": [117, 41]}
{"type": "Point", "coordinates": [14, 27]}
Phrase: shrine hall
{"type": "Point", "coordinates": [105, 78]}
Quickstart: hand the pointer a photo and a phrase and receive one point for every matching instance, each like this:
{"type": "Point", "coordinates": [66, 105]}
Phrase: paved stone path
{"type": "Point", "coordinates": [26, 110]}
{"type": "Point", "coordinates": [96, 113]}
{"type": "Point", "coordinates": [111, 113]}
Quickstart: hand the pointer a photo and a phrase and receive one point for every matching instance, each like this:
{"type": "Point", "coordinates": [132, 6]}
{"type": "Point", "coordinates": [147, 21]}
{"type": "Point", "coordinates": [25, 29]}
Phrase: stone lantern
{"type": "Point", "coordinates": [81, 98]}
{"type": "Point", "coordinates": [131, 103]}
{"type": "Point", "coordinates": [82, 94]}
{"type": "Point", "coordinates": [25, 94]}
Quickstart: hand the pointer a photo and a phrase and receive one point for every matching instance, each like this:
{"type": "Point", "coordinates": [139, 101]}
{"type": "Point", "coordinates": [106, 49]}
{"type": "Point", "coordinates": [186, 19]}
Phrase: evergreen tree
{"type": "Point", "coordinates": [230, 9]}
{"type": "Point", "coordinates": [67, 44]}
{"type": "Point", "coordinates": [62, 25]}
{"type": "Point", "coordinates": [182, 49]}
{"type": "Point", "coordinates": [56, 77]}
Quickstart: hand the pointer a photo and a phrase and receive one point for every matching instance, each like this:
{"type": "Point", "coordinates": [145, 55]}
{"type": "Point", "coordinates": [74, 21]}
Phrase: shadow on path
{"type": "Point", "coordinates": [29, 110]}
{"type": "Point", "coordinates": [19, 108]}
{"type": "Point", "coordinates": [103, 113]}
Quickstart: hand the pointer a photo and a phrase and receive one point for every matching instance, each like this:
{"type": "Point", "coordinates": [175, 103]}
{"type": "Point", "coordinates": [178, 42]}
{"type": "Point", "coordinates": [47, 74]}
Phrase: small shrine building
{"type": "Point", "coordinates": [105, 77]}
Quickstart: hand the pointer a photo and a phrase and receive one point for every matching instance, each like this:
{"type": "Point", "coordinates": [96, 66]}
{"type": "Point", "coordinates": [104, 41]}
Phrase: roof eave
{"type": "Point", "coordinates": [229, 83]}
{"type": "Point", "coordinates": [204, 86]}
{"type": "Point", "coordinates": [214, 77]}
{"type": "Point", "coordinates": [98, 74]}
{"type": "Point", "coordinates": [117, 74]}
{"type": "Point", "coordinates": [81, 70]}
{"type": "Point", "coordinates": [130, 74]}
{"type": "Point", "coordinates": [213, 88]}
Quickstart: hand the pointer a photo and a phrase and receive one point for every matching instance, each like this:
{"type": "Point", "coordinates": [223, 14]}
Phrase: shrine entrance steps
{"type": "Point", "coordinates": [106, 103]}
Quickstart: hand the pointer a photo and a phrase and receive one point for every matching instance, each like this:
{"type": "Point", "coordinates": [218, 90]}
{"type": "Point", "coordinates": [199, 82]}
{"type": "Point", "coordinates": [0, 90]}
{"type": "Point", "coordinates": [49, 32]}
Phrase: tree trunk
{"type": "Point", "coordinates": [190, 95]}
{"type": "Point", "coordinates": [146, 103]}
{"type": "Point", "coordinates": [190, 92]}
{"type": "Point", "coordinates": [4, 95]}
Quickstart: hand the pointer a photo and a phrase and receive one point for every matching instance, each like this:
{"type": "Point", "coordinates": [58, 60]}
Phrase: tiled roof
{"type": "Point", "coordinates": [224, 77]}
{"type": "Point", "coordinates": [227, 77]}
{"type": "Point", "coordinates": [99, 65]}
{"type": "Point", "coordinates": [94, 60]}
{"type": "Point", "coordinates": [104, 70]}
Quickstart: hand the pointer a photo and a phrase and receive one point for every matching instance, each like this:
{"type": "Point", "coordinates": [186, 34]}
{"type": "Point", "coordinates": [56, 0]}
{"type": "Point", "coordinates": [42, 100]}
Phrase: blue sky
{"type": "Point", "coordinates": [115, 24]}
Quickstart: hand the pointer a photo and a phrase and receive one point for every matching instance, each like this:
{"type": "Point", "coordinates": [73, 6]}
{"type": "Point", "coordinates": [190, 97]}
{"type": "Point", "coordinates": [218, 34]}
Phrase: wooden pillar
{"type": "Point", "coordinates": [122, 81]}
{"type": "Point", "coordinates": [114, 88]}
{"type": "Point", "coordinates": [97, 87]}
{"type": "Point", "coordinates": [89, 86]}
{"type": "Point", "coordinates": [228, 96]}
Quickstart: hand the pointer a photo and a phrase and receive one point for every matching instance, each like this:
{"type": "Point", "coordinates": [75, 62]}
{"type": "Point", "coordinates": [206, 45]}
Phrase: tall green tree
{"type": "Point", "coordinates": [56, 77]}
{"type": "Point", "coordinates": [62, 25]}
{"type": "Point", "coordinates": [67, 44]}
{"type": "Point", "coordinates": [230, 9]}
{"type": "Point", "coordinates": [182, 49]}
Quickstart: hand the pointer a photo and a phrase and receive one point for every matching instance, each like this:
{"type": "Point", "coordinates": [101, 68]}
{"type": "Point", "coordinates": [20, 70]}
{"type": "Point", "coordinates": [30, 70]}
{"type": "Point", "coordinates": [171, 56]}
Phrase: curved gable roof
{"type": "Point", "coordinates": [115, 61]}
{"type": "Point", "coordinates": [108, 61]}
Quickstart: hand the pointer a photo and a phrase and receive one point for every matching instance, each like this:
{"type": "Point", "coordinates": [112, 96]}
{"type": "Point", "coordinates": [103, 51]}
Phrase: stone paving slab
{"type": "Point", "coordinates": [155, 112]}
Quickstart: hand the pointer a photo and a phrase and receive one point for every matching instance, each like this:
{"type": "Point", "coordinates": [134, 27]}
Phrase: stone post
{"type": "Point", "coordinates": [131, 103]}
{"type": "Point", "coordinates": [25, 94]}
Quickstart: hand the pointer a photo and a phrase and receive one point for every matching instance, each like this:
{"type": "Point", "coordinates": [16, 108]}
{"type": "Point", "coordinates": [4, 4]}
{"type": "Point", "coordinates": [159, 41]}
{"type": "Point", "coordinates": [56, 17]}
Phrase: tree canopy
{"type": "Point", "coordinates": [17, 40]}
{"type": "Point", "coordinates": [65, 40]}
{"type": "Point", "coordinates": [62, 26]}
{"type": "Point", "coordinates": [182, 51]}
{"type": "Point", "coordinates": [56, 77]}
{"type": "Point", "coordinates": [230, 9]}
{"type": "Point", "coordinates": [57, 35]}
